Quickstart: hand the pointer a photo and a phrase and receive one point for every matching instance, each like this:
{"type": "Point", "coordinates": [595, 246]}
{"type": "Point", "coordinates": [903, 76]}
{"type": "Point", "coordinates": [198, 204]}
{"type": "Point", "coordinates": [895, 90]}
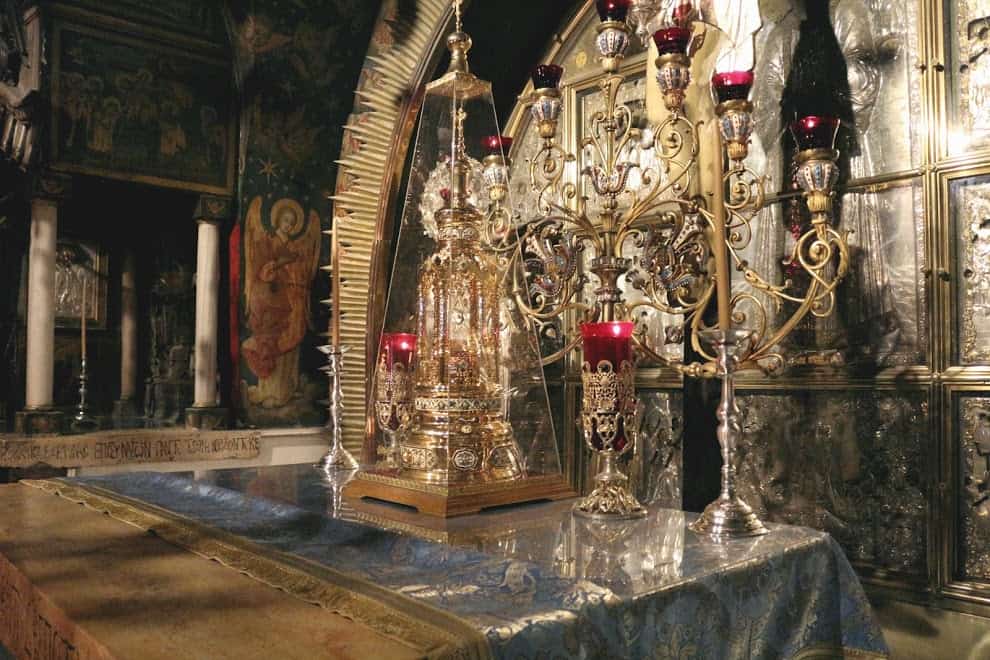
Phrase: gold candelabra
{"type": "Point", "coordinates": [674, 246]}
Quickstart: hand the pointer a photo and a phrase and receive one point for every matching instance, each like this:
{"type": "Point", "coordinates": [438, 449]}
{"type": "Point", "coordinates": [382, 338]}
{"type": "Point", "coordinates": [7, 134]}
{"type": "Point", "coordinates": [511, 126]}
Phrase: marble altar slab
{"type": "Point", "coordinates": [78, 585]}
{"type": "Point", "coordinates": [544, 583]}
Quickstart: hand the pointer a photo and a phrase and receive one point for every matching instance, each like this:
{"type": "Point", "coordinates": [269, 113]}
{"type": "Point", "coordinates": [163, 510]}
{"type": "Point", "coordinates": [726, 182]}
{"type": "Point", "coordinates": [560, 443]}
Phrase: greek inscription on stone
{"type": "Point", "coordinates": [124, 447]}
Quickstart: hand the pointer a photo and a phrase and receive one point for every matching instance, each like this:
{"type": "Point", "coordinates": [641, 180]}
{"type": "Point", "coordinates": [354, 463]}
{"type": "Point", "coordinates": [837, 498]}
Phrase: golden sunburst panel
{"type": "Point", "coordinates": [375, 139]}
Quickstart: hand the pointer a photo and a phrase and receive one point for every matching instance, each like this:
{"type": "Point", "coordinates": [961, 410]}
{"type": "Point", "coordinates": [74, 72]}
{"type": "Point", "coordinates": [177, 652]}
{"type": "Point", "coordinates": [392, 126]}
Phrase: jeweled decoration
{"type": "Point", "coordinates": [393, 389]}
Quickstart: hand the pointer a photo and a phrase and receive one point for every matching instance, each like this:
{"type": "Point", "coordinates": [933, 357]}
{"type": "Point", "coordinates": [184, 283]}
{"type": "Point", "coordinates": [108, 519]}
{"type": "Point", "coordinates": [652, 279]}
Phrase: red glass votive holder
{"type": "Point", "coordinates": [547, 76]}
{"type": "Point", "coordinates": [683, 14]}
{"type": "Point", "coordinates": [815, 132]}
{"type": "Point", "coordinates": [732, 85]}
{"type": "Point", "coordinates": [496, 145]}
{"type": "Point", "coordinates": [398, 348]}
{"type": "Point", "coordinates": [612, 10]}
{"type": "Point", "coordinates": [610, 342]}
{"type": "Point", "coordinates": [672, 40]}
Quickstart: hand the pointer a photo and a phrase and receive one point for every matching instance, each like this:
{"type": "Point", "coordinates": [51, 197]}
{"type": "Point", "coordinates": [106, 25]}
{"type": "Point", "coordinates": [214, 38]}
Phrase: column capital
{"type": "Point", "coordinates": [51, 186]}
{"type": "Point", "coordinates": [213, 208]}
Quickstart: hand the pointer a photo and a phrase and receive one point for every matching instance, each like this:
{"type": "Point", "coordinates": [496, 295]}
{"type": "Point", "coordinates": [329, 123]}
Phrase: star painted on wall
{"type": "Point", "coordinates": [268, 169]}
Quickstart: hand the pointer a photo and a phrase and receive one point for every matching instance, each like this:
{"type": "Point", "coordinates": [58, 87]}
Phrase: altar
{"type": "Point", "coordinates": [529, 581]}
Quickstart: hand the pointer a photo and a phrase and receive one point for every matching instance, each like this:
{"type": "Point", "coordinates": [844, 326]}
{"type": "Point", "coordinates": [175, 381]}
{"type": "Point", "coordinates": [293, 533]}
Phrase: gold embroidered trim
{"type": "Point", "coordinates": [431, 631]}
{"type": "Point", "coordinates": [828, 652]}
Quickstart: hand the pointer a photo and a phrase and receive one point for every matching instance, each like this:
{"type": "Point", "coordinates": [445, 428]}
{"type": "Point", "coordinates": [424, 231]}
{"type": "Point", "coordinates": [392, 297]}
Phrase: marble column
{"type": "Point", "coordinates": [39, 415]}
{"type": "Point", "coordinates": [207, 313]}
{"type": "Point", "coordinates": [205, 411]}
{"type": "Point", "coordinates": [41, 305]}
{"type": "Point", "coordinates": [125, 406]}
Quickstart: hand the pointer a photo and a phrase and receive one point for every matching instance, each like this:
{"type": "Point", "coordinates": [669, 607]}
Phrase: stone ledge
{"type": "Point", "coordinates": [39, 422]}
{"type": "Point", "coordinates": [206, 419]}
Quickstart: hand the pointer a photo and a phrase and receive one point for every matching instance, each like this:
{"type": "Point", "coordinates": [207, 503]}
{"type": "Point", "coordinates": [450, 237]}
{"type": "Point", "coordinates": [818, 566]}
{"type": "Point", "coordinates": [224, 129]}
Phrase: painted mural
{"type": "Point", "coordinates": [297, 64]}
{"type": "Point", "coordinates": [281, 256]}
{"type": "Point", "coordinates": [193, 17]}
{"type": "Point", "coordinates": [126, 110]}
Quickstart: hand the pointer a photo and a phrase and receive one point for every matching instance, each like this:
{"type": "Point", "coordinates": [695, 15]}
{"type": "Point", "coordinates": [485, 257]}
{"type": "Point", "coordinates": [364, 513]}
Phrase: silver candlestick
{"type": "Point", "coordinates": [338, 458]}
{"type": "Point", "coordinates": [82, 420]}
{"type": "Point", "coordinates": [728, 517]}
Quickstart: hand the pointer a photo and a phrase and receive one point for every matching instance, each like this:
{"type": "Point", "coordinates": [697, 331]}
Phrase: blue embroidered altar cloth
{"type": "Point", "coordinates": [550, 585]}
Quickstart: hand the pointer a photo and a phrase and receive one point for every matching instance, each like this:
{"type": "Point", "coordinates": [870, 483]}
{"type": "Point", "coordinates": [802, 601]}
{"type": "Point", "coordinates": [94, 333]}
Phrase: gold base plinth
{"type": "Point", "coordinates": [454, 500]}
{"type": "Point", "coordinates": [728, 518]}
{"type": "Point", "coordinates": [477, 531]}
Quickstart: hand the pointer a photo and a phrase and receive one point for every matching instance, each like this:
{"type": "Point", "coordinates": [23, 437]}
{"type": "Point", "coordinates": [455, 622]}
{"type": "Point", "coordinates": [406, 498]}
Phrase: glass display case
{"type": "Point", "coordinates": [459, 400]}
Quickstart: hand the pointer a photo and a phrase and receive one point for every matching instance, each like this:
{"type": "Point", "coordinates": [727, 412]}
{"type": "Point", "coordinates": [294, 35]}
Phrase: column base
{"type": "Point", "coordinates": [206, 419]}
{"type": "Point", "coordinates": [126, 415]}
{"type": "Point", "coordinates": [39, 422]}
{"type": "Point", "coordinates": [124, 408]}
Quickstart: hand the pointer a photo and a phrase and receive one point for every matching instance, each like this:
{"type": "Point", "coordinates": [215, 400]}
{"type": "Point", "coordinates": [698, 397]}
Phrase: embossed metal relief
{"type": "Point", "coordinates": [884, 319]}
{"type": "Point", "coordinates": [881, 317]}
{"type": "Point", "coordinates": [850, 463]}
{"type": "Point", "coordinates": [655, 467]}
{"type": "Point", "coordinates": [879, 40]}
{"type": "Point", "coordinates": [80, 283]}
{"type": "Point", "coordinates": [974, 503]}
{"type": "Point", "coordinates": [892, 132]}
{"type": "Point", "coordinates": [969, 44]}
{"type": "Point", "coordinates": [971, 201]}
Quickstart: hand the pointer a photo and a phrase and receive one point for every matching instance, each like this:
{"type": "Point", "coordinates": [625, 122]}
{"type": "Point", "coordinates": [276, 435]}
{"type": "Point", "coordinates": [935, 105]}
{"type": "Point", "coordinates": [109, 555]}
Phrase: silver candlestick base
{"type": "Point", "coordinates": [82, 421]}
{"type": "Point", "coordinates": [728, 517]}
{"type": "Point", "coordinates": [338, 458]}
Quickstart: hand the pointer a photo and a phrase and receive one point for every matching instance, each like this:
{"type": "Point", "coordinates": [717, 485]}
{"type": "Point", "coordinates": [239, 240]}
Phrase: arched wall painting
{"type": "Point", "coordinates": [292, 60]}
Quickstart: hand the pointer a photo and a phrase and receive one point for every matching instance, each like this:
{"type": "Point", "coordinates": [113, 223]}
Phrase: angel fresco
{"type": "Point", "coordinates": [281, 259]}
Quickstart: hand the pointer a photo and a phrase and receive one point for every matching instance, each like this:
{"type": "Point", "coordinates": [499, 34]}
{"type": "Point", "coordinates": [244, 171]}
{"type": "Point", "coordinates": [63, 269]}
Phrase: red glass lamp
{"type": "Point", "coordinates": [398, 348]}
{"type": "Point", "coordinates": [732, 85]}
{"type": "Point", "coordinates": [817, 170]}
{"type": "Point", "coordinates": [612, 10]}
{"type": "Point", "coordinates": [815, 132]}
{"type": "Point", "coordinates": [496, 144]}
{"type": "Point", "coordinates": [735, 112]}
{"type": "Point", "coordinates": [608, 411]}
{"type": "Point", "coordinates": [672, 40]}
{"type": "Point", "coordinates": [393, 389]}
{"type": "Point", "coordinates": [547, 76]}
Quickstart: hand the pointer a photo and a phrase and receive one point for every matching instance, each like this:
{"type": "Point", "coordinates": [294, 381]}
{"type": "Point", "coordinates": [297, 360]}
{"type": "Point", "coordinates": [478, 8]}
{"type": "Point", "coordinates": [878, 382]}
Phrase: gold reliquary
{"type": "Point", "coordinates": [460, 412]}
